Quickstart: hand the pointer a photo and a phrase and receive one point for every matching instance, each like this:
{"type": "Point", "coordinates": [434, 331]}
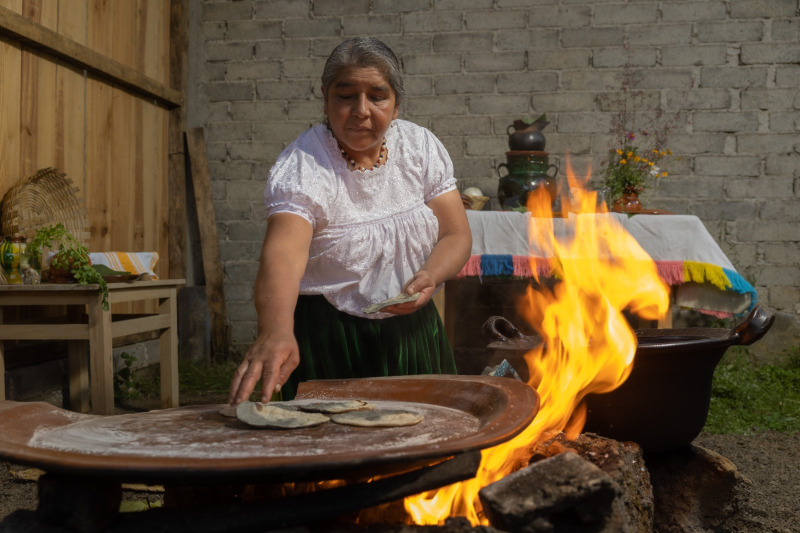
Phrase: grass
{"type": "Point", "coordinates": [196, 382]}
{"type": "Point", "coordinates": [213, 377]}
{"type": "Point", "coordinates": [748, 398]}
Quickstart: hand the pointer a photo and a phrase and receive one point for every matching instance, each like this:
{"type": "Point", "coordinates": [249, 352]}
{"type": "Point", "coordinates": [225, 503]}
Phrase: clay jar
{"type": "Point", "coordinates": [527, 171]}
{"type": "Point", "coordinates": [523, 136]}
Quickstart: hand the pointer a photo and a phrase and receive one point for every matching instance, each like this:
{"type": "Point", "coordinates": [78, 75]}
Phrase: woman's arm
{"type": "Point", "coordinates": [448, 256]}
{"type": "Point", "coordinates": [274, 355]}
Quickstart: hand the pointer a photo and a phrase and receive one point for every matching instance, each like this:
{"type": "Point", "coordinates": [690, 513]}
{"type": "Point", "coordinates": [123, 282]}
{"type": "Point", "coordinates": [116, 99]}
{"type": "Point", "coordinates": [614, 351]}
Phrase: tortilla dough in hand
{"type": "Point", "coordinates": [332, 408]}
{"type": "Point", "coordinates": [378, 418]}
{"type": "Point", "coordinates": [277, 416]}
{"type": "Point", "coordinates": [399, 299]}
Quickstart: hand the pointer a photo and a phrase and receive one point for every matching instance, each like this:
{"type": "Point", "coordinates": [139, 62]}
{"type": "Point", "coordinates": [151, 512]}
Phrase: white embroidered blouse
{"type": "Point", "coordinates": [372, 230]}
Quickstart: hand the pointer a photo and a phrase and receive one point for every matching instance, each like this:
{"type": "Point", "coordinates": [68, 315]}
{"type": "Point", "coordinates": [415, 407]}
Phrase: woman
{"type": "Point", "coordinates": [360, 208]}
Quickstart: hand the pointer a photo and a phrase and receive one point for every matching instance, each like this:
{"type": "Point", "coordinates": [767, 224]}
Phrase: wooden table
{"type": "Point", "coordinates": [87, 321]}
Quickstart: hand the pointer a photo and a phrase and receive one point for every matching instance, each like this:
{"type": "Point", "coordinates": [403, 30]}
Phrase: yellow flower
{"type": "Point", "coordinates": [637, 159]}
{"type": "Point", "coordinates": [622, 161]}
{"type": "Point", "coordinates": [650, 163]}
{"type": "Point", "coordinates": [664, 174]}
{"type": "Point", "coordinates": [629, 154]}
{"type": "Point", "coordinates": [619, 152]}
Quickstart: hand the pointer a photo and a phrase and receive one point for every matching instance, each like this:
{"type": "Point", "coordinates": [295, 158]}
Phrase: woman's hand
{"type": "Point", "coordinates": [422, 283]}
{"type": "Point", "coordinates": [271, 359]}
{"type": "Point", "coordinates": [275, 354]}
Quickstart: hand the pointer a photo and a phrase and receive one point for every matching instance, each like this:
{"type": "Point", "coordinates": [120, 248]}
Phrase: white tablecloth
{"type": "Point", "coordinates": [673, 241]}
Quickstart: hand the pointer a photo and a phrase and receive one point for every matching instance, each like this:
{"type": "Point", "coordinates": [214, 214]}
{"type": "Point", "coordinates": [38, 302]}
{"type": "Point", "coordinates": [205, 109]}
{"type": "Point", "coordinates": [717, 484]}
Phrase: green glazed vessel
{"type": "Point", "coordinates": [527, 171]}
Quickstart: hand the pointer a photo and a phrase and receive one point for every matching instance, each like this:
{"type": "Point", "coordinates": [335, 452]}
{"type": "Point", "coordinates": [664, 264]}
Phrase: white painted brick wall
{"type": "Point", "coordinates": [472, 66]}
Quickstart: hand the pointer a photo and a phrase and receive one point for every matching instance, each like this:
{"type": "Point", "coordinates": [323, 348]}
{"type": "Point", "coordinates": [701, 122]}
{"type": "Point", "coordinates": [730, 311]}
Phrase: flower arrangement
{"type": "Point", "coordinates": [639, 131]}
{"type": "Point", "coordinates": [627, 169]}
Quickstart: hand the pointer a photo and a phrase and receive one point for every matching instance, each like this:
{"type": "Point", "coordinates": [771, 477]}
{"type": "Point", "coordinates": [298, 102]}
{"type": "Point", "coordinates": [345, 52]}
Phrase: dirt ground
{"type": "Point", "coordinates": [770, 460]}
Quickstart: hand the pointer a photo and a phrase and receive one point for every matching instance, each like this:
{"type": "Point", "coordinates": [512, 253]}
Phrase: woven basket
{"type": "Point", "coordinates": [478, 202]}
{"type": "Point", "coordinates": [44, 199]}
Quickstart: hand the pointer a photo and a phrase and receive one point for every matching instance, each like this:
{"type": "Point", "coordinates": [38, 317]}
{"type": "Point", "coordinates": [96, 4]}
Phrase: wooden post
{"type": "Point", "coordinates": [179, 29]}
{"type": "Point", "coordinates": [168, 350]}
{"type": "Point", "coordinates": [2, 365]}
{"type": "Point", "coordinates": [101, 361]}
{"type": "Point", "coordinates": [207, 225]}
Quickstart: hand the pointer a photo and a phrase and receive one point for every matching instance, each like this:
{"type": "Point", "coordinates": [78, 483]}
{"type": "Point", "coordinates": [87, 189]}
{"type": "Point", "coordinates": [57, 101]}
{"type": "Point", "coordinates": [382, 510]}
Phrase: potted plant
{"type": "Point", "coordinates": [70, 261]}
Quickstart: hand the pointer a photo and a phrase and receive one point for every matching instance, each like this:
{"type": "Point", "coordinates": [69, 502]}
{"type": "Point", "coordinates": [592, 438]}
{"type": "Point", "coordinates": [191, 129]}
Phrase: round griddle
{"type": "Point", "coordinates": [461, 413]}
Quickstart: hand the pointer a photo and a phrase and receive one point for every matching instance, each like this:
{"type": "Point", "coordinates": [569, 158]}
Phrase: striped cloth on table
{"type": "Point", "coordinates": [137, 263]}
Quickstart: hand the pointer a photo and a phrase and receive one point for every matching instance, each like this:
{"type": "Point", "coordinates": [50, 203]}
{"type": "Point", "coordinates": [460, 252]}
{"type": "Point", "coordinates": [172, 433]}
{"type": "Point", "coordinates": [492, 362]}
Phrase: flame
{"type": "Point", "coordinates": [600, 270]}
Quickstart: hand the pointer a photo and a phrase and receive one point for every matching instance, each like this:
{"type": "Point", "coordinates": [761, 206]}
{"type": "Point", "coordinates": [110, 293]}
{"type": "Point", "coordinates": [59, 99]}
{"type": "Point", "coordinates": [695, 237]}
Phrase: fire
{"type": "Point", "coordinates": [588, 345]}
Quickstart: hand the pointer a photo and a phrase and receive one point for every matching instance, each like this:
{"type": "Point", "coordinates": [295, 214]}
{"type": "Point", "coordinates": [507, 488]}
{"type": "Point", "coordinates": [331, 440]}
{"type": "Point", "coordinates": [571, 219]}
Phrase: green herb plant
{"type": "Point", "coordinates": [123, 379]}
{"type": "Point", "coordinates": [70, 255]}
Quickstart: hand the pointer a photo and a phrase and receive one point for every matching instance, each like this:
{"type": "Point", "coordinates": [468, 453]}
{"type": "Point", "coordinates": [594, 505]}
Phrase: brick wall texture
{"type": "Point", "coordinates": [729, 70]}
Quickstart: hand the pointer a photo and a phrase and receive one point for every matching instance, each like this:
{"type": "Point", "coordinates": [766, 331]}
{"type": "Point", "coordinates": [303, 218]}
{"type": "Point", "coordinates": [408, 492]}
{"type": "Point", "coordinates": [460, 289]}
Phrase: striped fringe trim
{"type": "Point", "coordinates": [518, 266]}
{"type": "Point", "coordinates": [672, 272]}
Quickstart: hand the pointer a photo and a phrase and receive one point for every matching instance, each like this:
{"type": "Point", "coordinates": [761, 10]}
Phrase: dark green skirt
{"type": "Point", "coordinates": [336, 345]}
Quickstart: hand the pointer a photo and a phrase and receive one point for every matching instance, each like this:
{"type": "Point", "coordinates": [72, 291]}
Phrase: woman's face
{"type": "Point", "coordinates": [360, 105]}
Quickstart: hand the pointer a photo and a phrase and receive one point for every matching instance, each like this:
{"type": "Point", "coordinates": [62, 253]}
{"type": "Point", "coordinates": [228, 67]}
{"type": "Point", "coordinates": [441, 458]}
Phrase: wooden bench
{"type": "Point", "coordinates": [87, 321]}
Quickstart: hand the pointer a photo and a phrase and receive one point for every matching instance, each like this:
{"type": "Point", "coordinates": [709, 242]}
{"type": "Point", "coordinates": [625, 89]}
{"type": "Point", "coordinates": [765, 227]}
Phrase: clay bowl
{"type": "Point", "coordinates": [663, 405]}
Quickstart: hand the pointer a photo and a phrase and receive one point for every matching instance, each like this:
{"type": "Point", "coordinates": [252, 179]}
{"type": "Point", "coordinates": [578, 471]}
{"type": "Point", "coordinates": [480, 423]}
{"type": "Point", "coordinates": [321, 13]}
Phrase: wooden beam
{"type": "Point", "coordinates": [209, 243]}
{"type": "Point", "coordinates": [22, 30]}
{"type": "Point", "coordinates": [178, 79]}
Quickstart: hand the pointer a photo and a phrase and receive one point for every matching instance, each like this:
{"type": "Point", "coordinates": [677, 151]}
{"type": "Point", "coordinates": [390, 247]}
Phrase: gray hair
{"type": "Point", "coordinates": [364, 52]}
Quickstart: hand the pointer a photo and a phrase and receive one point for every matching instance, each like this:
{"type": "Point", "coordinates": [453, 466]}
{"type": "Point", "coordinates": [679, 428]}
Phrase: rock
{"type": "Point", "coordinates": [560, 493]}
{"type": "Point", "coordinates": [695, 489]}
{"type": "Point", "coordinates": [624, 463]}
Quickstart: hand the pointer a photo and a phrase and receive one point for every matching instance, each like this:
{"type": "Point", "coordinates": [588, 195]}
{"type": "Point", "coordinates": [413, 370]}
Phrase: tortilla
{"type": "Point", "coordinates": [331, 408]}
{"type": "Point", "coordinates": [378, 418]}
{"type": "Point", "coordinates": [399, 299]}
{"type": "Point", "coordinates": [275, 415]}
{"type": "Point", "coordinates": [230, 410]}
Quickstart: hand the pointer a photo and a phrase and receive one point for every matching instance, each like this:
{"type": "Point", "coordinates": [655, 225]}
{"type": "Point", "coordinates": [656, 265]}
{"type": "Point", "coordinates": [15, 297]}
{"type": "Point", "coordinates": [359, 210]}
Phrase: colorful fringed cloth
{"type": "Point", "coordinates": [687, 257]}
{"type": "Point", "coordinates": [673, 273]}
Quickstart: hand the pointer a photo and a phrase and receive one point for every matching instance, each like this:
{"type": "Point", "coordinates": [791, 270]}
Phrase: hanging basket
{"type": "Point", "coordinates": [43, 199]}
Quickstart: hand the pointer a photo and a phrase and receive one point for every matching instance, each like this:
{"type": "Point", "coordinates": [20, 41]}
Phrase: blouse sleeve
{"type": "Point", "coordinates": [290, 188]}
{"type": "Point", "coordinates": [439, 177]}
